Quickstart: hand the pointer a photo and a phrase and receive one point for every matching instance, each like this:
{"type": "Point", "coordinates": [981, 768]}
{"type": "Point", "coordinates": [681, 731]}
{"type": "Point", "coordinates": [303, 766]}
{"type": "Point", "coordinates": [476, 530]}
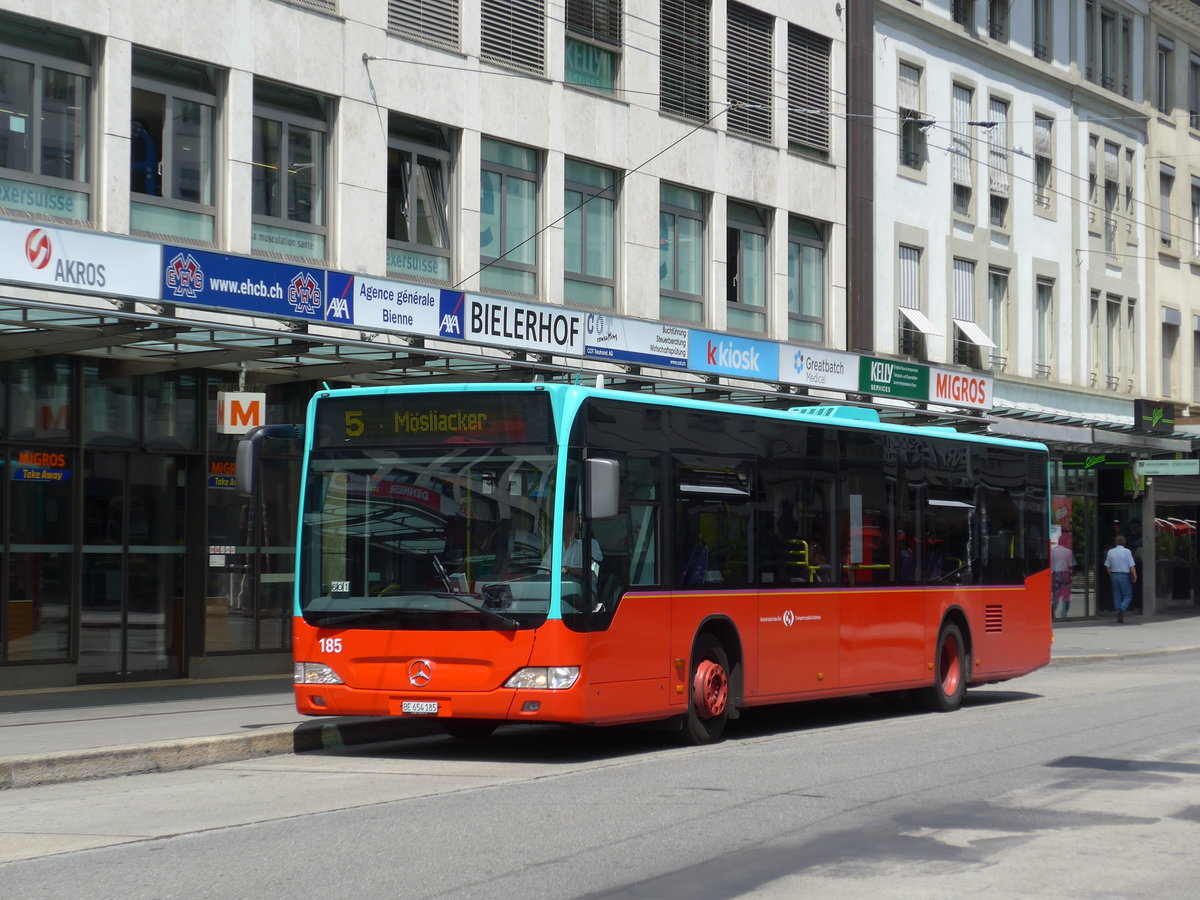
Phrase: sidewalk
{"type": "Point", "coordinates": [52, 736]}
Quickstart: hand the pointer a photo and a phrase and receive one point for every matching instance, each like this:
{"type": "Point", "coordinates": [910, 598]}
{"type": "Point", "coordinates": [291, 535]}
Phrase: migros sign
{"type": "Point", "coordinates": [239, 411]}
{"type": "Point", "coordinates": [960, 389]}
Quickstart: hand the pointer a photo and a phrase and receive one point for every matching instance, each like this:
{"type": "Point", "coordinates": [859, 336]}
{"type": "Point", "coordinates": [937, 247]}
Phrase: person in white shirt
{"type": "Point", "coordinates": [1122, 569]}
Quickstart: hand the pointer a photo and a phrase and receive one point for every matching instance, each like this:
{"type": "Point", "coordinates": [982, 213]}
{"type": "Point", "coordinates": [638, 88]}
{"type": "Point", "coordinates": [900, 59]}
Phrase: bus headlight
{"type": "Point", "coordinates": [553, 678]}
{"type": "Point", "coordinates": [315, 673]}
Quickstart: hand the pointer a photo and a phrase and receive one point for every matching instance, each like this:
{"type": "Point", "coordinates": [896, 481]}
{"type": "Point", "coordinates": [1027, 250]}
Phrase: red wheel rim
{"type": "Point", "coordinates": [710, 689]}
{"type": "Point", "coordinates": [950, 666]}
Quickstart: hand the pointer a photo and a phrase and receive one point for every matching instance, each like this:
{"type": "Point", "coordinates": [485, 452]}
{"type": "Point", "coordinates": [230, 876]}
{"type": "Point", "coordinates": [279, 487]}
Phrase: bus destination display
{"type": "Point", "coordinates": [452, 418]}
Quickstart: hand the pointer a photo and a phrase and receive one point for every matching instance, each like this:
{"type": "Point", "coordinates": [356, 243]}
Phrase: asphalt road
{"type": "Point", "coordinates": [1079, 781]}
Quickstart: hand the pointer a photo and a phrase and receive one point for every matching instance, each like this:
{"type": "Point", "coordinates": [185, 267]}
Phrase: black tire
{"type": "Point", "coordinates": [709, 690]}
{"type": "Point", "coordinates": [470, 729]}
{"type": "Point", "coordinates": [951, 671]}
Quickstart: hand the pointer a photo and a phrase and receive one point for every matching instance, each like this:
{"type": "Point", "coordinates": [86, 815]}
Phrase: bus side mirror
{"type": "Point", "coordinates": [249, 449]}
{"type": "Point", "coordinates": [604, 487]}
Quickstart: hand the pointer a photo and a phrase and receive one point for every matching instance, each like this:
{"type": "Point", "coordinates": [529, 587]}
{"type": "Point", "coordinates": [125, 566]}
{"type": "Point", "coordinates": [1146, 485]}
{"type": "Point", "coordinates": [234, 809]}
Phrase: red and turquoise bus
{"type": "Point", "coordinates": [501, 553]}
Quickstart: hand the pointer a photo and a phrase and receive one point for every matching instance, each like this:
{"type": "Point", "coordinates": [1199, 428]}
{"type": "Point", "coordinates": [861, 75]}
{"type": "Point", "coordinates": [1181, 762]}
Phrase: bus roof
{"type": "Point", "coordinates": [571, 395]}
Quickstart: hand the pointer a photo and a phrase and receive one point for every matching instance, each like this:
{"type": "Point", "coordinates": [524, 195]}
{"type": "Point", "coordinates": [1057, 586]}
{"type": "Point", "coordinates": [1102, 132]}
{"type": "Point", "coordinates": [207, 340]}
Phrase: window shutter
{"type": "Point", "coordinates": [1111, 164]}
{"type": "Point", "coordinates": [964, 290]}
{"type": "Point", "coordinates": [684, 59]}
{"type": "Point", "coordinates": [909, 96]}
{"type": "Point", "coordinates": [435, 21]}
{"type": "Point", "coordinates": [909, 280]}
{"type": "Point", "coordinates": [960, 139]}
{"type": "Point", "coordinates": [599, 20]}
{"type": "Point", "coordinates": [749, 70]}
{"type": "Point", "coordinates": [1042, 129]}
{"type": "Point", "coordinates": [325, 6]}
{"type": "Point", "coordinates": [998, 148]}
{"type": "Point", "coordinates": [514, 34]}
{"type": "Point", "coordinates": [808, 89]}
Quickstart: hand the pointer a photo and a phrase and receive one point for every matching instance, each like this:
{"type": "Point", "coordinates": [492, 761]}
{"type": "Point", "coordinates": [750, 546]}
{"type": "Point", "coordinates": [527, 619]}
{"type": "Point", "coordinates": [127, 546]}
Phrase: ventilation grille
{"type": "Point", "coordinates": [513, 32]}
{"type": "Point", "coordinates": [993, 619]}
{"type": "Point", "coordinates": [436, 21]}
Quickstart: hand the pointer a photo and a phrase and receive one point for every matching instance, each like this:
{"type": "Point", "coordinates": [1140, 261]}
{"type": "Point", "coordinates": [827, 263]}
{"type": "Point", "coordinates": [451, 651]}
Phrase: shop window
{"type": "Point", "coordinates": [42, 399]}
{"type": "Point", "coordinates": [680, 253]}
{"type": "Point", "coordinates": [289, 177]}
{"type": "Point", "coordinates": [746, 267]}
{"type": "Point", "coordinates": [418, 221]}
{"type": "Point", "coordinates": [589, 235]}
{"type": "Point", "coordinates": [593, 43]}
{"type": "Point", "coordinates": [45, 95]}
{"type": "Point", "coordinates": [806, 281]}
{"type": "Point", "coordinates": [508, 220]}
{"type": "Point", "coordinates": [172, 147]}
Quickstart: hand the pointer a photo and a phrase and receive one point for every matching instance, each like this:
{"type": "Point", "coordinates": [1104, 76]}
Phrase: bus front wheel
{"type": "Point", "coordinates": [950, 668]}
{"type": "Point", "coordinates": [708, 703]}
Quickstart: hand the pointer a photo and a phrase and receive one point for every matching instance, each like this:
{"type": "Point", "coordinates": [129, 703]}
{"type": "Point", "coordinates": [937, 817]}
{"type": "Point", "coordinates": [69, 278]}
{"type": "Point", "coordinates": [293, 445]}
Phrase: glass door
{"type": "Point", "coordinates": [131, 617]}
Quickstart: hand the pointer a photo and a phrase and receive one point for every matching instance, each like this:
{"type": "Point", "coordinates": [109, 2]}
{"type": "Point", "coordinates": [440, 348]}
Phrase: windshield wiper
{"type": "Point", "coordinates": [325, 620]}
{"type": "Point", "coordinates": [509, 622]}
{"type": "Point", "coordinates": [370, 613]}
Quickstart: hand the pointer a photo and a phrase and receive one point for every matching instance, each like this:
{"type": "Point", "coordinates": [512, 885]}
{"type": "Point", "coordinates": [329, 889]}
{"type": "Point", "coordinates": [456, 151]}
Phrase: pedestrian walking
{"type": "Point", "coordinates": [1062, 564]}
{"type": "Point", "coordinates": [1123, 571]}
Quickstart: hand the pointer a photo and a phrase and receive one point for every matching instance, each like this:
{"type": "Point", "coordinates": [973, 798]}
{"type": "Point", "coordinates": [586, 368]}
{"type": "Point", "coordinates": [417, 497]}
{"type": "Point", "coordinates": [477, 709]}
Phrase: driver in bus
{"type": "Point", "coordinates": [572, 559]}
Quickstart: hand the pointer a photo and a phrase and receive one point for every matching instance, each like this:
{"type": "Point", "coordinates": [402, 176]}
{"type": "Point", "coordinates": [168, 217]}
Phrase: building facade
{"type": "Point", "coordinates": [1015, 199]}
{"type": "Point", "coordinates": [200, 226]}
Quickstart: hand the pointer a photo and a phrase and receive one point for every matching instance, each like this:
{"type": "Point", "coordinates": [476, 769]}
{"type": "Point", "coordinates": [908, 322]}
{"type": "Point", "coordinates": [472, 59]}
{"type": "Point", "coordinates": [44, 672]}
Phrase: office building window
{"type": "Point", "coordinates": [589, 235]}
{"type": "Point", "coordinates": [749, 71]}
{"type": "Point", "coordinates": [998, 317]}
{"type": "Point", "coordinates": [914, 324]}
{"type": "Point", "coordinates": [806, 280]}
{"type": "Point", "coordinates": [1166, 184]}
{"type": "Point", "coordinates": [808, 91]}
{"type": "Point", "coordinates": [289, 172]}
{"type": "Point", "coordinates": [912, 121]}
{"type": "Point", "coordinates": [172, 147]}
{"type": "Point", "coordinates": [513, 33]}
{"type": "Point", "coordinates": [594, 37]}
{"type": "Point", "coordinates": [45, 94]}
{"type": "Point", "coordinates": [1041, 30]}
{"type": "Point", "coordinates": [418, 211]}
{"type": "Point", "coordinates": [998, 162]}
{"type": "Point", "coordinates": [508, 221]}
{"type": "Point", "coordinates": [1196, 356]}
{"type": "Point", "coordinates": [1111, 195]}
{"type": "Point", "coordinates": [960, 149]}
{"type": "Point", "coordinates": [746, 267]}
{"type": "Point", "coordinates": [1112, 342]}
{"type": "Point", "coordinates": [432, 21]}
{"type": "Point", "coordinates": [684, 58]}
{"type": "Point", "coordinates": [1108, 47]}
{"type": "Point", "coordinates": [970, 341]}
{"type": "Point", "coordinates": [681, 253]}
{"type": "Point", "coordinates": [998, 19]}
{"type": "Point", "coordinates": [1043, 161]}
{"type": "Point", "coordinates": [1195, 216]}
{"type": "Point", "coordinates": [1170, 343]}
{"type": "Point", "coordinates": [963, 12]}
{"type": "Point", "coordinates": [1043, 307]}
{"type": "Point", "coordinates": [1193, 86]}
{"type": "Point", "coordinates": [1163, 94]}
{"type": "Point", "coordinates": [1129, 182]}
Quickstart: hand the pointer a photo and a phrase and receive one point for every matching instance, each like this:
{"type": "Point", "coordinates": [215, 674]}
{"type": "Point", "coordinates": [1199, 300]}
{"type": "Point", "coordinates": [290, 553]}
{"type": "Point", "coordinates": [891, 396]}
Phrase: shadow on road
{"type": "Point", "coordinates": [549, 744]}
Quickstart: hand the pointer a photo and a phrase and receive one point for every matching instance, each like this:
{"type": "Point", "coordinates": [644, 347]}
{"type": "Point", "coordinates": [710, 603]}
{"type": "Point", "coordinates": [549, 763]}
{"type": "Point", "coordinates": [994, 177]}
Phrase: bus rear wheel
{"type": "Point", "coordinates": [708, 703]}
{"type": "Point", "coordinates": [950, 672]}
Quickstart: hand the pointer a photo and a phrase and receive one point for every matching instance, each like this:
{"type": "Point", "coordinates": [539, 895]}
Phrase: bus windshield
{"type": "Point", "coordinates": [446, 539]}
